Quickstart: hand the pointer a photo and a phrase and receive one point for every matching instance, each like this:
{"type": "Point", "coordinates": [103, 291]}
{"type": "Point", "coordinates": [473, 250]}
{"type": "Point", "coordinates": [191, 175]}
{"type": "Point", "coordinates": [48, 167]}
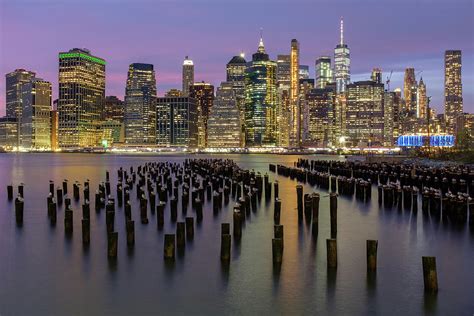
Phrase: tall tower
{"type": "Point", "coordinates": [14, 82]}
{"type": "Point", "coordinates": [140, 103]}
{"type": "Point", "coordinates": [409, 91]}
{"type": "Point", "coordinates": [422, 100]}
{"type": "Point", "coordinates": [81, 98]}
{"type": "Point", "coordinates": [203, 94]}
{"type": "Point", "coordinates": [323, 72]}
{"type": "Point", "coordinates": [260, 100]}
{"type": "Point", "coordinates": [188, 75]}
{"type": "Point", "coordinates": [342, 63]}
{"type": "Point", "coordinates": [295, 132]}
{"type": "Point", "coordinates": [453, 102]}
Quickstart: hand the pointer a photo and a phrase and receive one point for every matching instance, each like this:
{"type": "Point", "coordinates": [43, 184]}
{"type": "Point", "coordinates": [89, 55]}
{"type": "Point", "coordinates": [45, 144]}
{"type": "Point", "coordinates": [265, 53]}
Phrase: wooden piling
{"type": "Point", "coordinates": [278, 233]}
{"type": "Point", "coordinates": [189, 228]}
{"type": "Point", "coordinates": [112, 245]}
{"type": "Point", "coordinates": [333, 213]}
{"type": "Point", "coordinates": [130, 228]}
{"type": "Point", "coordinates": [315, 216]}
{"type": "Point", "coordinates": [10, 192]}
{"type": "Point", "coordinates": [180, 235]}
{"type": "Point", "coordinates": [430, 276]}
{"type": "Point", "coordinates": [277, 250]}
{"type": "Point", "coordinates": [68, 222]}
{"type": "Point", "coordinates": [169, 247]}
{"type": "Point", "coordinates": [225, 228]}
{"type": "Point", "coordinates": [225, 247]}
{"type": "Point", "coordinates": [86, 231]}
{"type": "Point", "coordinates": [331, 245]}
{"type": "Point", "coordinates": [237, 223]}
{"type": "Point", "coordinates": [19, 206]}
{"type": "Point", "coordinates": [372, 255]}
{"type": "Point", "coordinates": [277, 211]}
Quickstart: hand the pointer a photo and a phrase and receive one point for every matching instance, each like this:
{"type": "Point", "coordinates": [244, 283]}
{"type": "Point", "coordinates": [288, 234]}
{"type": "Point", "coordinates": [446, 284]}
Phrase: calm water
{"type": "Point", "coordinates": [42, 272]}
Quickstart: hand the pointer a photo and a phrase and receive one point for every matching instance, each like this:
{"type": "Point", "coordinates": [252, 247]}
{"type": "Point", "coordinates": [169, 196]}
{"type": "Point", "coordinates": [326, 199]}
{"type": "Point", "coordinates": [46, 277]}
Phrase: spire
{"type": "Point", "coordinates": [261, 47]}
{"type": "Point", "coordinates": [342, 31]}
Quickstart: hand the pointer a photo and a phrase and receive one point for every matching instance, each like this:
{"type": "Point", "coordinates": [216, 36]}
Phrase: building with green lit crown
{"type": "Point", "coordinates": [261, 100]}
{"type": "Point", "coordinates": [81, 98]}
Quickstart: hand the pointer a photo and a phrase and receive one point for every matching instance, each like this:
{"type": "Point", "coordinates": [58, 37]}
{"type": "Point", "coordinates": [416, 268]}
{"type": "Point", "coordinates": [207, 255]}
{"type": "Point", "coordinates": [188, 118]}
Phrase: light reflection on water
{"type": "Point", "coordinates": [43, 272]}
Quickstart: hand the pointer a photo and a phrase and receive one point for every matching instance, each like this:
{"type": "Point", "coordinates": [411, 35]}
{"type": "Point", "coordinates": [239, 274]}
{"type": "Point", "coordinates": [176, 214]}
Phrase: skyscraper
{"type": "Point", "coordinates": [365, 113]}
{"type": "Point", "coordinates": [236, 76]}
{"type": "Point", "coordinates": [295, 114]}
{"type": "Point", "coordinates": [260, 100]}
{"type": "Point", "coordinates": [305, 86]}
{"type": "Point", "coordinates": [188, 75]}
{"type": "Point", "coordinates": [304, 72]}
{"type": "Point", "coordinates": [81, 98]}
{"type": "Point", "coordinates": [409, 92]}
{"type": "Point", "coordinates": [35, 128]}
{"type": "Point", "coordinates": [391, 117]}
{"type": "Point", "coordinates": [177, 122]}
{"type": "Point", "coordinates": [114, 108]}
{"type": "Point", "coordinates": [140, 102]}
{"type": "Point", "coordinates": [323, 71]}
{"type": "Point", "coordinates": [283, 94]}
{"type": "Point", "coordinates": [422, 100]}
{"type": "Point", "coordinates": [203, 93]}
{"type": "Point", "coordinates": [342, 63]}
{"type": "Point", "coordinates": [453, 102]}
{"type": "Point", "coordinates": [224, 127]}
{"type": "Point", "coordinates": [321, 116]}
{"type": "Point", "coordinates": [376, 75]}
{"type": "Point", "coordinates": [14, 82]}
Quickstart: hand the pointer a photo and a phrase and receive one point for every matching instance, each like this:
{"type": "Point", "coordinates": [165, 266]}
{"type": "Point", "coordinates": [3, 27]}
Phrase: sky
{"type": "Point", "coordinates": [388, 34]}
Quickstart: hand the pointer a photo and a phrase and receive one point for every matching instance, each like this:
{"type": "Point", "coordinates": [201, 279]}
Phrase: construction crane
{"type": "Point", "coordinates": [388, 80]}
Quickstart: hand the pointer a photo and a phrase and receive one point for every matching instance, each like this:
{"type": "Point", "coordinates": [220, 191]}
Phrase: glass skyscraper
{"type": "Point", "coordinates": [81, 98]}
{"type": "Point", "coordinates": [323, 71]}
{"type": "Point", "coordinates": [342, 63]}
{"type": "Point", "coordinates": [453, 101]}
{"type": "Point", "coordinates": [203, 93]}
{"type": "Point", "coordinates": [260, 100]}
{"type": "Point", "coordinates": [140, 103]}
{"type": "Point", "coordinates": [188, 75]}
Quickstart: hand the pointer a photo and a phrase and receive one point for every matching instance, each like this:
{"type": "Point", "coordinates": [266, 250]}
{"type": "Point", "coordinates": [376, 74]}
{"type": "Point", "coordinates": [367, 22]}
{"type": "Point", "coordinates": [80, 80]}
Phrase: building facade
{"type": "Point", "coordinates": [203, 93]}
{"type": "Point", "coordinates": [342, 63]}
{"type": "Point", "coordinates": [410, 90]}
{"type": "Point", "coordinates": [261, 100]}
{"type": "Point", "coordinates": [323, 72]}
{"type": "Point", "coordinates": [177, 122]}
{"type": "Point", "coordinates": [81, 98]}
{"type": "Point", "coordinates": [114, 109]}
{"type": "Point", "coordinates": [321, 117]}
{"type": "Point", "coordinates": [8, 132]}
{"type": "Point", "coordinates": [295, 111]}
{"type": "Point", "coordinates": [14, 82]}
{"type": "Point", "coordinates": [453, 101]}
{"type": "Point", "coordinates": [140, 103]}
{"type": "Point", "coordinates": [224, 126]}
{"type": "Point", "coordinates": [365, 114]}
{"type": "Point", "coordinates": [422, 101]}
{"type": "Point", "coordinates": [235, 70]}
{"type": "Point", "coordinates": [283, 94]}
{"type": "Point", "coordinates": [188, 75]}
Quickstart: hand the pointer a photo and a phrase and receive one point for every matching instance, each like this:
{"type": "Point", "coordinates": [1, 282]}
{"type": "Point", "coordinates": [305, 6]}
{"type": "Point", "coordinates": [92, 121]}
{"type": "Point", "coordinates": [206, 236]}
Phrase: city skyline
{"type": "Point", "coordinates": [212, 47]}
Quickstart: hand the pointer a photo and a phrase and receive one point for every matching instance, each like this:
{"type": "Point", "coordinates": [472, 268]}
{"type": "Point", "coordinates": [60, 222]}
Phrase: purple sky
{"type": "Point", "coordinates": [388, 34]}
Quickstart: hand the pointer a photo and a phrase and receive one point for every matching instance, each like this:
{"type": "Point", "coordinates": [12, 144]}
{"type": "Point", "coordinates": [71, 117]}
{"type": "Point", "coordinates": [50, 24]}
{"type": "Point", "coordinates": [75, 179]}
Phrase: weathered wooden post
{"type": "Point", "coordinates": [68, 223]}
{"type": "Point", "coordinates": [278, 233]}
{"type": "Point", "coordinates": [59, 196]}
{"type": "Point", "coordinates": [372, 255]}
{"type": "Point", "coordinates": [19, 206]}
{"type": "Point", "coordinates": [333, 213]}
{"type": "Point", "coordinates": [299, 195]}
{"type": "Point", "coordinates": [237, 223]}
{"type": "Point", "coordinates": [430, 276]}
{"type": "Point", "coordinates": [130, 228]}
{"type": "Point", "coordinates": [331, 245]}
{"type": "Point", "coordinates": [112, 245]}
{"type": "Point", "coordinates": [189, 228]}
{"type": "Point", "coordinates": [315, 217]}
{"type": "Point", "coordinates": [277, 211]}
{"type": "Point", "coordinates": [20, 190]}
{"type": "Point", "coordinates": [277, 250]}
{"type": "Point", "coordinates": [52, 213]}
{"type": "Point", "coordinates": [198, 205]}
{"type": "Point", "coordinates": [10, 192]}
{"type": "Point", "coordinates": [86, 210]}
{"type": "Point", "coordinates": [144, 210]}
{"type": "Point", "coordinates": [174, 208]}
{"type": "Point", "coordinates": [276, 189]}
{"type": "Point", "coordinates": [180, 235]}
{"type": "Point", "coordinates": [225, 228]}
{"type": "Point", "coordinates": [160, 215]}
{"type": "Point", "coordinates": [86, 231]}
{"type": "Point", "coordinates": [169, 247]}
{"type": "Point", "coordinates": [225, 247]}
{"type": "Point", "coordinates": [110, 220]}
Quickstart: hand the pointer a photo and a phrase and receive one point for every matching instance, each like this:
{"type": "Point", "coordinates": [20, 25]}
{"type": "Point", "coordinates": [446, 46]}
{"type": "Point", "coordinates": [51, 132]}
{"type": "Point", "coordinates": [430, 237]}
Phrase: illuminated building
{"type": "Point", "coordinates": [203, 93]}
{"type": "Point", "coordinates": [305, 86]}
{"type": "Point", "coordinates": [323, 72]}
{"type": "Point", "coordinates": [174, 93]}
{"type": "Point", "coordinates": [8, 132]}
{"type": "Point", "coordinates": [140, 102]}
{"type": "Point", "coordinates": [321, 116]}
{"type": "Point", "coordinates": [224, 126]}
{"type": "Point", "coordinates": [54, 122]}
{"type": "Point", "coordinates": [342, 63]}
{"type": "Point", "coordinates": [410, 92]}
{"type": "Point", "coordinates": [376, 75]}
{"type": "Point", "coordinates": [260, 100]}
{"type": "Point", "coordinates": [295, 111]}
{"type": "Point", "coordinates": [35, 127]}
{"type": "Point", "coordinates": [81, 98]}
{"type": "Point", "coordinates": [14, 82]}
{"type": "Point", "coordinates": [365, 113]}
{"type": "Point", "coordinates": [114, 109]}
{"type": "Point", "coordinates": [236, 75]}
{"type": "Point", "coordinates": [283, 93]}
{"type": "Point", "coordinates": [188, 75]}
{"type": "Point", "coordinates": [177, 122]}
{"type": "Point", "coordinates": [422, 101]}
{"type": "Point", "coordinates": [112, 132]}
{"type": "Point", "coordinates": [304, 72]}
{"type": "Point", "coordinates": [453, 102]}
{"type": "Point", "coordinates": [391, 117]}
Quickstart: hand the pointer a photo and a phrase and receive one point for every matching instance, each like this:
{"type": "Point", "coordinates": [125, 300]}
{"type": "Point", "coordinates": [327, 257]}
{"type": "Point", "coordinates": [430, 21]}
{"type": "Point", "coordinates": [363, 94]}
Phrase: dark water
{"type": "Point", "coordinates": [42, 272]}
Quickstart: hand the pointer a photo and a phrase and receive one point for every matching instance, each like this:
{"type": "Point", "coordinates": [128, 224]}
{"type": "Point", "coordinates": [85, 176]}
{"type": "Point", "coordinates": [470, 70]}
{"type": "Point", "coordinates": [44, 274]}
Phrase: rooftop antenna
{"type": "Point", "coordinates": [342, 30]}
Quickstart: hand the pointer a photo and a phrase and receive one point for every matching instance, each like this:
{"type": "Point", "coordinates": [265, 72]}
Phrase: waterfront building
{"type": "Point", "coordinates": [203, 93]}
{"type": "Point", "coordinates": [304, 72]}
{"type": "Point", "coordinates": [261, 100]}
{"type": "Point", "coordinates": [342, 63]}
{"type": "Point", "coordinates": [410, 90]}
{"type": "Point", "coordinates": [391, 118]}
{"type": "Point", "coordinates": [114, 109]}
{"type": "Point", "coordinates": [305, 86]}
{"type": "Point", "coordinates": [453, 101]}
{"type": "Point", "coordinates": [224, 126]}
{"type": "Point", "coordinates": [188, 75]}
{"type": "Point", "coordinates": [81, 98]}
{"type": "Point", "coordinates": [176, 125]}
{"type": "Point", "coordinates": [35, 128]}
{"type": "Point", "coordinates": [323, 72]}
{"type": "Point", "coordinates": [295, 111]}
{"type": "Point", "coordinates": [235, 70]}
{"type": "Point", "coordinates": [283, 94]}
{"type": "Point", "coordinates": [140, 103]}
{"type": "Point", "coordinates": [14, 82]}
{"type": "Point", "coordinates": [174, 93]}
{"type": "Point", "coordinates": [422, 101]}
{"type": "Point", "coordinates": [112, 133]}
{"type": "Point", "coordinates": [321, 125]}
{"type": "Point", "coordinates": [8, 132]}
{"type": "Point", "coordinates": [54, 124]}
{"type": "Point", "coordinates": [365, 114]}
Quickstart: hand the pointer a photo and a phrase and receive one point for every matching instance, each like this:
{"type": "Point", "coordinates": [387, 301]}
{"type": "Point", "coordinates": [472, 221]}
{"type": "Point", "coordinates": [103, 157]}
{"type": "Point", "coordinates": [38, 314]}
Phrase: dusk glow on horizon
{"type": "Point", "coordinates": [391, 35]}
